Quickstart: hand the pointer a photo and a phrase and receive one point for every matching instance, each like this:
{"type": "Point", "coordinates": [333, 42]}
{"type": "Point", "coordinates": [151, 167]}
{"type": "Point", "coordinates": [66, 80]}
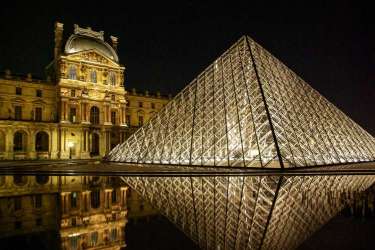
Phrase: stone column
{"type": "Point", "coordinates": [31, 154]}
{"type": "Point", "coordinates": [9, 140]}
{"type": "Point", "coordinates": [54, 143]}
{"type": "Point", "coordinates": [107, 115]}
{"type": "Point", "coordinates": [64, 111]}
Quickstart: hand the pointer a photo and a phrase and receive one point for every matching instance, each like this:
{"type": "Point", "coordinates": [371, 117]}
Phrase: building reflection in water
{"type": "Point", "coordinates": [74, 212]}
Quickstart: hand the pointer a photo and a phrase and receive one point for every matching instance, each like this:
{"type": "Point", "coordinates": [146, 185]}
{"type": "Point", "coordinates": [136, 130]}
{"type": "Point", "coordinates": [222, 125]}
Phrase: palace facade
{"type": "Point", "coordinates": [80, 111]}
{"type": "Point", "coordinates": [68, 212]}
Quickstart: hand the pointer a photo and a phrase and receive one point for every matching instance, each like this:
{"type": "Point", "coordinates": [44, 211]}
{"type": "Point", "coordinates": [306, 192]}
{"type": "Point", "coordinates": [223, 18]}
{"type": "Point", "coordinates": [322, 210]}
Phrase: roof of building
{"type": "Point", "coordinates": [87, 39]}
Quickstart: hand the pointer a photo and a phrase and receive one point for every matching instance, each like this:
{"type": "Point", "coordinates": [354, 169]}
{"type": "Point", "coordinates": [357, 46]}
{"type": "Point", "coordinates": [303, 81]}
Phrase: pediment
{"type": "Point", "coordinates": [39, 102]}
{"type": "Point", "coordinates": [17, 99]}
{"type": "Point", "coordinates": [92, 55]}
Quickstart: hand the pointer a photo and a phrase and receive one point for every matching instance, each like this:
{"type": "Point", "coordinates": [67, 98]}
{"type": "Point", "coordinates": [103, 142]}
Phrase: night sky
{"type": "Point", "coordinates": [163, 47]}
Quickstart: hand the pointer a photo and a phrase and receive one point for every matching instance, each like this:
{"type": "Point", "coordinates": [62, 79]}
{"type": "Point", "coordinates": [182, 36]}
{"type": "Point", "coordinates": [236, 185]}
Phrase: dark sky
{"type": "Point", "coordinates": [163, 47]}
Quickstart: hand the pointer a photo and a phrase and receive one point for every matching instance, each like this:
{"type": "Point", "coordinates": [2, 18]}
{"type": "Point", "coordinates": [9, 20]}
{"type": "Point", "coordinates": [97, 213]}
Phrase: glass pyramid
{"type": "Point", "coordinates": [248, 111]}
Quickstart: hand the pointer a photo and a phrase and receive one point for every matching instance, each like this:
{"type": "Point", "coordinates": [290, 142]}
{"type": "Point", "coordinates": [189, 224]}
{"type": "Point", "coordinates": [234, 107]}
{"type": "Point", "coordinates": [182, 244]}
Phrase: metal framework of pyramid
{"type": "Point", "coordinates": [247, 110]}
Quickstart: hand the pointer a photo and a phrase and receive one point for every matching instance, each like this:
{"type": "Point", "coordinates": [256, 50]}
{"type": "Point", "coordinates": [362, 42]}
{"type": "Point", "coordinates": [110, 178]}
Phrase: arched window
{"type": "Point", "coordinates": [19, 141]}
{"type": "Point", "coordinates": [112, 78]}
{"type": "Point", "coordinates": [93, 76]}
{"type": "Point", "coordinates": [72, 74]}
{"type": "Point", "coordinates": [41, 142]}
{"type": "Point", "coordinates": [94, 115]}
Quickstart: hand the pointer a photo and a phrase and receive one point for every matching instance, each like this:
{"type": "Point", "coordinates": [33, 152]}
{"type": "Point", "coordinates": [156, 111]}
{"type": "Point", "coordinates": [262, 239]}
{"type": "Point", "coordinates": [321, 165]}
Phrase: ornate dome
{"type": "Point", "coordinates": [86, 39]}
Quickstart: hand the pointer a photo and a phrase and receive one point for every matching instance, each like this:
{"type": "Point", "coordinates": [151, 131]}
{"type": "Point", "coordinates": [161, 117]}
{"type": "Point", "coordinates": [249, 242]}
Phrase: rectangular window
{"type": "Point", "coordinates": [18, 113]}
{"type": "Point", "coordinates": [17, 203]}
{"type": "Point", "coordinates": [153, 105]}
{"type": "Point", "coordinates": [38, 201]}
{"type": "Point", "coordinates": [72, 92]}
{"type": "Point", "coordinates": [72, 115]}
{"type": "Point", "coordinates": [127, 120]}
{"type": "Point", "coordinates": [140, 104]}
{"type": "Point", "coordinates": [73, 200]}
{"type": "Point", "coordinates": [140, 120]}
{"type": "Point", "coordinates": [113, 117]}
{"type": "Point", "coordinates": [18, 91]}
{"type": "Point", "coordinates": [38, 221]}
{"type": "Point", "coordinates": [17, 224]}
{"type": "Point", "coordinates": [39, 93]}
{"type": "Point", "coordinates": [94, 238]}
{"type": "Point", "coordinates": [113, 234]}
{"type": "Point", "coordinates": [114, 196]}
{"type": "Point", "coordinates": [74, 242]}
{"type": "Point", "coordinates": [38, 114]}
{"type": "Point", "coordinates": [113, 97]}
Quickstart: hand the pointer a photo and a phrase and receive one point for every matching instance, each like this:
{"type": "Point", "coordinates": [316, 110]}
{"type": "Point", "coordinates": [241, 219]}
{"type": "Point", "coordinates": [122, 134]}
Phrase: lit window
{"type": "Point", "coordinates": [18, 113]}
{"type": "Point", "coordinates": [95, 198]}
{"type": "Point", "coordinates": [94, 238]}
{"type": "Point", "coordinates": [114, 234]}
{"type": "Point", "coordinates": [128, 120]}
{"type": "Point", "coordinates": [38, 114]}
{"type": "Point", "coordinates": [72, 115]}
{"type": "Point", "coordinates": [41, 145]}
{"type": "Point", "coordinates": [113, 117]}
{"type": "Point", "coordinates": [72, 73]}
{"type": "Point", "coordinates": [19, 141]}
{"type": "Point", "coordinates": [74, 242]}
{"type": "Point", "coordinates": [93, 76]}
{"type": "Point", "coordinates": [18, 91]}
{"type": "Point", "coordinates": [114, 196]}
{"type": "Point", "coordinates": [38, 201]}
{"type": "Point", "coordinates": [94, 115]}
{"type": "Point", "coordinates": [140, 120]}
{"type": "Point", "coordinates": [112, 78]}
{"type": "Point", "coordinates": [39, 93]}
{"type": "Point", "coordinates": [73, 200]}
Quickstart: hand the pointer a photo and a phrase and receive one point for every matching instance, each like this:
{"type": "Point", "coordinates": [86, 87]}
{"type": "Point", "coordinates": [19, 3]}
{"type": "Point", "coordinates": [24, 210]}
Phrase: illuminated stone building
{"type": "Point", "coordinates": [80, 111]}
{"type": "Point", "coordinates": [86, 212]}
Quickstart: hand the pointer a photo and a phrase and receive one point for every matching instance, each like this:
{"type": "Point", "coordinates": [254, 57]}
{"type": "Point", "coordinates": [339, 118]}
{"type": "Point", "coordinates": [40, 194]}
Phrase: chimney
{"type": "Point", "coordinates": [29, 77]}
{"type": "Point", "coordinates": [59, 27]}
{"type": "Point", "coordinates": [114, 42]}
{"type": "Point", "coordinates": [8, 74]}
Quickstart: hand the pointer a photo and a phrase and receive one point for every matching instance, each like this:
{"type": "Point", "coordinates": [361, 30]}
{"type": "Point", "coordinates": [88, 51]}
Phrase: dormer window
{"type": "Point", "coordinates": [112, 78]}
{"type": "Point", "coordinates": [93, 76]}
{"type": "Point", "coordinates": [72, 73]}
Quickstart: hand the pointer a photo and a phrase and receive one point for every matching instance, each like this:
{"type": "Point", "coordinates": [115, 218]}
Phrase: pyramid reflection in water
{"type": "Point", "coordinates": [248, 110]}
